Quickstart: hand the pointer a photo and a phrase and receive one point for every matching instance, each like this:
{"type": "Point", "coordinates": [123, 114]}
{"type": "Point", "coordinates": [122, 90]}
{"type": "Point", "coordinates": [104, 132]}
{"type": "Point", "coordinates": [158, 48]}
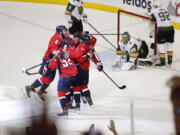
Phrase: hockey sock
{"type": "Point", "coordinates": [68, 97]}
{"type": "Point", "coordinates": [63, 103]}
{"type": "Point", "coordinates": [86, 91]}
{"type": "Point", "coordinates": [76, 91]}
{"type": "Point", "coordinates": [62, 99]}
{"type": "Point", "coordinates": [163, 61]}
{"type": "Point", "coordinates": [170, 60]}
{"type": "Point", "coordinates": [82, 94]}
{"type": "Point", "coordinates": [71, 93]}
{"type": "Point", "coordinates": [36, 83]}
{"type": "Point", "coordinates": [77, 97]}
{"type": "Point", "coordinates": [45, 86]}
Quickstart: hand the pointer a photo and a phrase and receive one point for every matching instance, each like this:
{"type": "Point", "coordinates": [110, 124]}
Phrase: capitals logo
{"type": "Point", "coordinates": [174, 8]}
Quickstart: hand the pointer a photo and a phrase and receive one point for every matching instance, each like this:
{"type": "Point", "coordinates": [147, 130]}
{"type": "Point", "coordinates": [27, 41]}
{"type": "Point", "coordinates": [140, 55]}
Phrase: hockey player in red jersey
{"type": "Point", "coordinates": [47, 77]}
{"type": "Point", "coordinates": [67, 73]}
{"type": "Point", "coordinates": [82, 55]}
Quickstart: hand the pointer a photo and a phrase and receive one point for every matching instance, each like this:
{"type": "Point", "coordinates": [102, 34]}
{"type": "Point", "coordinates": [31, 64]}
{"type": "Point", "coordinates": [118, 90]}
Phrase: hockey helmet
{"type": "Point", "coordinates": [86, 39]}
{"type": "Point", "coordinates": [60, 28]}
{"type": "Point", "coordinates": [125, 37]}
{"type": "Point", "coordinates": [156, 4]}
{"type": "Point", "coordinates": [77, 34]}
{"type": "Point", "coordinates": [66, 42]}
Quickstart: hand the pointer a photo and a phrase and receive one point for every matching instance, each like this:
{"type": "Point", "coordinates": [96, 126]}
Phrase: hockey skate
{"type": "Point", "coordinates": [77, 107]}
{"type": "Point", "coordinates": [64, 113]}
{"type": "Point", "coordinates": [27, 90]}
{"type": "Point", "coordinates": [70, 106]}
{"type": "Point", "coordinates": [84, 100]}
{"type": "Point", "coordinates": [90, 102]}
{"type": "Point", "coordinates": [162, 63]}
{"type": "Point", "coordinates": [40, 95]}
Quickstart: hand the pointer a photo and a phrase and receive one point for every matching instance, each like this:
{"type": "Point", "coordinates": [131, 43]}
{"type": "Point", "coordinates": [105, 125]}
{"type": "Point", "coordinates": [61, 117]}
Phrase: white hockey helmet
{"type": "Point", "coordinates": [156, 4]}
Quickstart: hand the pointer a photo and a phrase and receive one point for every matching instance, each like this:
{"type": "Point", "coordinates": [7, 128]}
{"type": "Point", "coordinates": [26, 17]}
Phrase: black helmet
{"type": "Point", "coordinates": [60, 28]}
{"type": "Point", "coordinates": [66, 42]}
{"type": "Point", "coordinates": [86, 38]}
{"type": "Point", "coordinates": [77, 34]}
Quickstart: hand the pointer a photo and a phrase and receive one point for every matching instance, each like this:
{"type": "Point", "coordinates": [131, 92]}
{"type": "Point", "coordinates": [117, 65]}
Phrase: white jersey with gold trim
{"type": "Point", "coordinates": [133, 43]}
{"type": "Point", "coordinates": [78, 10]}
{"type": "Point", "coordinates": [161, 17]}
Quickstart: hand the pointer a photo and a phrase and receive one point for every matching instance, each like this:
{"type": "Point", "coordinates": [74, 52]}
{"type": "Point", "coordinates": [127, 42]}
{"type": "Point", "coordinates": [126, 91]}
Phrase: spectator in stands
{"type": "Point", "coordinates": [112, 127]}
{"type": "Point", "coordinates": [174, 83]}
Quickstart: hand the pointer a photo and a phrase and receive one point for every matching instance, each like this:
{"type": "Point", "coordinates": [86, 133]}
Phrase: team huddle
{"type": "Point", "coordinates": [71, 56]}
{"type": "Point", "coordinates": [71, 49]}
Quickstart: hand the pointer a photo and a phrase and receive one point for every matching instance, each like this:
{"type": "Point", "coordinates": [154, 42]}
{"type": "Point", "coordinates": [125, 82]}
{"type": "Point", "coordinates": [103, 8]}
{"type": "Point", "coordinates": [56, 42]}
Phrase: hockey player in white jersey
{"type": "Point", "coordinates": [165, 34]}
{"type": "Point", "coordinates": [75, 15]}
{"type": "Point", "coordinates": [127, 52]}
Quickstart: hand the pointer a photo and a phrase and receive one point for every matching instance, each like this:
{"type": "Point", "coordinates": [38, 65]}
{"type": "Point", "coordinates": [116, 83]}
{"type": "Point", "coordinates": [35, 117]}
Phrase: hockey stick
{"type": "Point", "coordinates": [26, 71]}
{"type": "Point", "coordinates": [102, 35]}
{"type": "Point", "coordinates": [120, 87]}
{"type": "Point", "coordinates": [108, 34]}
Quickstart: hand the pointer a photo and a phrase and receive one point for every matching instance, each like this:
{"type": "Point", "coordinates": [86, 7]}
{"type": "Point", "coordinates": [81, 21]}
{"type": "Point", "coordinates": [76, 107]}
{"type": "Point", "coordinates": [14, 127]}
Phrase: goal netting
{"type": "Point", "coordinates": [138, 26]}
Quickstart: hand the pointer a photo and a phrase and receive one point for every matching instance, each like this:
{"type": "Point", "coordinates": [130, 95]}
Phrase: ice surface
{"type": "Point", "coordinates": [25, 32]}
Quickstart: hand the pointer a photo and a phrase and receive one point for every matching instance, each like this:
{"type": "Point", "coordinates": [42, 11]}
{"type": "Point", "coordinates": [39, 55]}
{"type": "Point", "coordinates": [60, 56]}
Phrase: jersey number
{"type": "Point", "coordinates": [66, 63]}
{"type": "Point", "coordinates": [164, 16]}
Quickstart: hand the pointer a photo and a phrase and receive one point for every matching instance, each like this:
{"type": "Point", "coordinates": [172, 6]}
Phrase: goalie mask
{"type": "Point", "coordinates": [125, 37]}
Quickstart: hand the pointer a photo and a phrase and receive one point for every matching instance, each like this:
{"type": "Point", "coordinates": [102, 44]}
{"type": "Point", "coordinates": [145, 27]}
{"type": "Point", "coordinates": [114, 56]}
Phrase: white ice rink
{"type": "Point", "coordinates": [25, 30]}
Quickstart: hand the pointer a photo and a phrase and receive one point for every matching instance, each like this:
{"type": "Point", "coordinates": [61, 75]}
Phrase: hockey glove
{"type": "Point", "coordinates": [99, 66]}
{"type": "Point", "coordinates": [69, 24]}
{"type": "Point", "coordinates": [90, 54]}
{"type": "Point", "coordinates": [45, 62]}
{"type": "Point", "coordinates": [86, 32]}
{"type": "Point", "coordinates": [85, 19]}
{"type": "Point", "coordinates": [45, 69]}
{"type": "Point", "coordinates": [56, 53]}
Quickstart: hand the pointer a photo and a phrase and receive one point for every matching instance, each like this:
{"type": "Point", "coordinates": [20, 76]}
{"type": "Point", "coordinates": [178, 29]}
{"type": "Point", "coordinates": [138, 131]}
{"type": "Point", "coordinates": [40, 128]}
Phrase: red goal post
{"type": "Point", "coordinates": [135, 15]}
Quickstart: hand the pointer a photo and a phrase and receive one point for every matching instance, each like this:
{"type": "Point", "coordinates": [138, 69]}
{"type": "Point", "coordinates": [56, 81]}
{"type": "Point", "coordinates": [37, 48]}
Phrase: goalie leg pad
{"type": "Point", "coordinates": [128, 66]}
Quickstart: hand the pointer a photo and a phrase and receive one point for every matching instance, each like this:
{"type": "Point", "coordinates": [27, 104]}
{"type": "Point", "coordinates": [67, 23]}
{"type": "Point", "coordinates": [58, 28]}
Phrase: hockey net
{"type": "Point", "coordinates": [138, 26]}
